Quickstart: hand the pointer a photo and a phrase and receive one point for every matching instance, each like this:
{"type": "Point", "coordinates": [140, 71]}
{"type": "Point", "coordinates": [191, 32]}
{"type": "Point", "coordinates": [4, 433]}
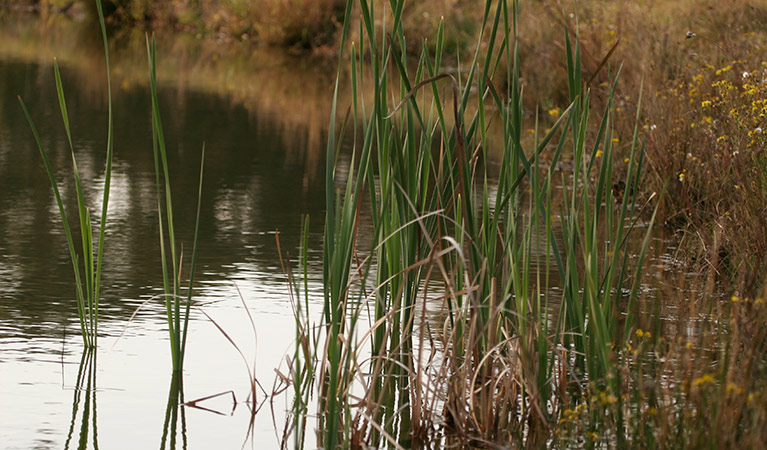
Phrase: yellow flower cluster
{"type": "Point", "coordinates": [719, 121]}
{"type": "Point", "coordinates": [643, 334]}
{"type": "Point", "coordinates": [705, 379]}
{"type": "Point", "coordinates": [723, 70]}
{"type": "Point", "coordinates": [572, 415]}
{"type": "Point", "coordinates": [604, 399]}
{"type": "Point", "coordinates": [757, 301]}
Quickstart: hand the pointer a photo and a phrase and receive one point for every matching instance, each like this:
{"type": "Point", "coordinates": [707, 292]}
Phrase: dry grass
{"type": "Point", "coordinates": [303, 24]}
{"type": "Point", "coordinates": [286, 23]}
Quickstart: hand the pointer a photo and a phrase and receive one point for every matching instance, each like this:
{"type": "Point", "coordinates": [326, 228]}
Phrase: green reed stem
{"type": "Point", "coordinates": [178, 321]}
{"type": "Point", "coordinates": [87, 282]}
{"type": "Point", "coordinates": [495, 237]}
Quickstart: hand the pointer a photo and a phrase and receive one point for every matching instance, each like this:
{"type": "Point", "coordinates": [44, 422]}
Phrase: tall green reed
{"type": "Point", "coordinates": [87, 282]}
{"type": "Point", "coordinates": [515, 353]}
{"type": "Point", "coordinates": [170, 256]}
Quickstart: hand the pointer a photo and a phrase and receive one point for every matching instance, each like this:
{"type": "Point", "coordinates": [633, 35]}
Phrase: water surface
{"type": "Point", "coordinates": [262, 173]}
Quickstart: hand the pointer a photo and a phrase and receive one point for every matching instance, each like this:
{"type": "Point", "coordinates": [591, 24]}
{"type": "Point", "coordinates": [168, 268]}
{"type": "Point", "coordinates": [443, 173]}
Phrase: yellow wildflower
{"type": "Point", "coordinates": [723, 70]}
{"type": "Point", "coordinates": [705, 379]}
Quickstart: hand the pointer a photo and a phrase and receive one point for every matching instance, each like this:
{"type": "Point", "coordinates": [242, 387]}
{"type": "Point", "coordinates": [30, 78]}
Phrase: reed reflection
{"type": "Point", "coordinates": [174, 426]}
{"type": "Point", "coordinates": [84, 406]}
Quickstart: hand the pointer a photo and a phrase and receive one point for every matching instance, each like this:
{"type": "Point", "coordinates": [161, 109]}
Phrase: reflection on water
{"type": "Point", "coordinates": [175, 417]}
{"type": "Point", "coordinates": [84, 409]}
{"type": "Point", "coordinates": [253, 183]}
{"type": "Point", "coordinates": [289, 95]}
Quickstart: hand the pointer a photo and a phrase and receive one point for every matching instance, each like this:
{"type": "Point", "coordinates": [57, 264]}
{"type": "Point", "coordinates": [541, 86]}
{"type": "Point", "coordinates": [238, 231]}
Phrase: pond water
{"type": "Point", "coordinates": [262, 116]}
{"type": "Point", "coordinates": [263, 171]}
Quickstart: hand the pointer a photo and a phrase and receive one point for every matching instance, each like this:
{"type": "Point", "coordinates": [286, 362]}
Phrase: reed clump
{"type": "Point", "coordinates": [171, 256]}
{"type": "Point", "coordinates": [665, 48]}
{"type": "Point", "coordinates": [531, 321]}
{"type": "Point", "coordinates": [87, 277]}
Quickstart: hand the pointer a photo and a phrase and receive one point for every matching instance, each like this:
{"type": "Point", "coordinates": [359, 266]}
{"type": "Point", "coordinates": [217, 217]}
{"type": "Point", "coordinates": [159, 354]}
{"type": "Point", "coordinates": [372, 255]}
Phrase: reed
{"type": "Point", "coordinates": [87, 282]}
{"type": "Point", "coordinates": [531, 319]}
{"type": "Point", "coordinates": [170, 256]}
{"type": "Point", "coordinates": [87, 278]}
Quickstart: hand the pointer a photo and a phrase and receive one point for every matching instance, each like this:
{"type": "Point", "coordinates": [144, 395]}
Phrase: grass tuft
{"type": "Point", "coordinates": [171, 257]}
{"type": "Point", "coordinates": [87, 278]}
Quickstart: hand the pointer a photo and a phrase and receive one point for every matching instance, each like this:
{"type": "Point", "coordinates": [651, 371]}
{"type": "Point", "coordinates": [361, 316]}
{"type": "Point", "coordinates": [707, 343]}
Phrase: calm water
{"type": "Point", "coordinates": [262, 173]}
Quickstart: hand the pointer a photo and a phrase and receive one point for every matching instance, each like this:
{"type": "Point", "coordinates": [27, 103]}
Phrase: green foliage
{"type": "Point", "coordinates": [87, 283]}
{"type": "Point", "coordinates": [178, 318]}
{"type": "Point", "coordinates": [442, 220]}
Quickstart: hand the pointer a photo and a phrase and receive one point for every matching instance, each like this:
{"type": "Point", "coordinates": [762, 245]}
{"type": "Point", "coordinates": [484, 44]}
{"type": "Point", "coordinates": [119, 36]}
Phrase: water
{"type": "Point", "coordinates": [263, 171]}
